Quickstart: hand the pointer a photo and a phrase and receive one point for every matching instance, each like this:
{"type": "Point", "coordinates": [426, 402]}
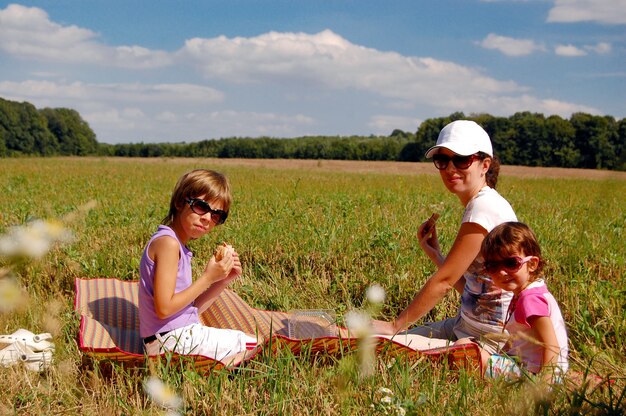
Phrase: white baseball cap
{"type": "Point", "coordinates": [463, 137]}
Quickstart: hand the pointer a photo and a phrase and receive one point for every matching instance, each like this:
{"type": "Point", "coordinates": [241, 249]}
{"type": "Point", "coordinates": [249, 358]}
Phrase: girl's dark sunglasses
{"type": "Point", "coordinates": [201, 207]}
{"type": "Point", "coordinates": [441, 161]}
{"type": "Point", "coordinates": [509, 265]}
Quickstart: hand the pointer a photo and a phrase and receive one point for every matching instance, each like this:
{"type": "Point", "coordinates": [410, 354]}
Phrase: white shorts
{"type": "Point", "coordinates": [198, 339]}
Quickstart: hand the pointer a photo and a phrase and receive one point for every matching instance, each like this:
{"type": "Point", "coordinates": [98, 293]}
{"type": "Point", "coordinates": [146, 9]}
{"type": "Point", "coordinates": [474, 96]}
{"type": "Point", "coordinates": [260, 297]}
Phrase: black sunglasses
{"type": "Point", "coordinates": [201, 207]}
{"type": "Point", "coordinates": [509, 265]}
{"type": "Point", "coordinates": [441, 161]}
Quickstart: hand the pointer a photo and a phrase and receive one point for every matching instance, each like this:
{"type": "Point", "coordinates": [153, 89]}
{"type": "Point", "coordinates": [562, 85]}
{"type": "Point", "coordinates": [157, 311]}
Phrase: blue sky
{"type": "Point", "coordinates": [192, 70]}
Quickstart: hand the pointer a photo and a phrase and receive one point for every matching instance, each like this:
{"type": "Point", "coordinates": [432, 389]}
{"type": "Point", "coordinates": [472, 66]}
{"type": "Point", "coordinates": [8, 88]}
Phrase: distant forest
{"type": "Point", "coordinates": [525, 138]}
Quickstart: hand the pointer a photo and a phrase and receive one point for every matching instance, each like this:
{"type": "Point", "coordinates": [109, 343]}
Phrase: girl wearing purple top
{"type": "Point", "coordinates": [169, 301]}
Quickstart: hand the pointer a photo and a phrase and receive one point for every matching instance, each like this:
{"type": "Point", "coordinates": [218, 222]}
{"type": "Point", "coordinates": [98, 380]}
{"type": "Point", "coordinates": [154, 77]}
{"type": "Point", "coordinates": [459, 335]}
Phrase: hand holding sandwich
{"type": "Point", "coordinates": [427, 236]}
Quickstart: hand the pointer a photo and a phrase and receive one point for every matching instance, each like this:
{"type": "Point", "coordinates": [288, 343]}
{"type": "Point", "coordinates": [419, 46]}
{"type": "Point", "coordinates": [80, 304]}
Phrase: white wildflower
{"type": "Point", "coordinates": [358, 323]}
{"type": "Point", "coordinates": [367, 355]}
{"type": "Point", "coordinates": [386, 400]}
{"type": "Point", "coordinates": [385, 391]}
{"type": "Point", "coordinates": [375, 294]}
{"type": "Point", "coordinates": [11, 295]}
{"type": "Point", "coordinates": [34, 239]}
{"type": "Point", "coordinates": [400, 410]}
{"type": "Point", "coordinates": [162, 394]}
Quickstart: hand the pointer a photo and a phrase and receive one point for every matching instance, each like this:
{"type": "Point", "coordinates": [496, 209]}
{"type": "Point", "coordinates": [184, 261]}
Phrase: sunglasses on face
{"type": "Point", "coordinates": [509, 265]}
{"type": "Point", "coordinates": [201, 207]}
{"type": "Point", "coordinates": [441, 161]}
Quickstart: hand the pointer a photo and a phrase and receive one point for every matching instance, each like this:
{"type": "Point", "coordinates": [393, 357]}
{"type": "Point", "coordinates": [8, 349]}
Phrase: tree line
{"type": "Point", "coordinates": [25, 130]}
{"type": "Point", "coordinates": [525, 138]}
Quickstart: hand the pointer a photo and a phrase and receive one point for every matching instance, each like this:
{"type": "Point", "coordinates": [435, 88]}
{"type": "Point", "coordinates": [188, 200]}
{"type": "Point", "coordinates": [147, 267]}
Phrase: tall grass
{"type": "Point", "coordinates": [310, 239]}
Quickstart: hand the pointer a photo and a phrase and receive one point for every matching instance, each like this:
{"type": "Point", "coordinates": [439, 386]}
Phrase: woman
{"type": "Point", "coordinates": [464, 156]}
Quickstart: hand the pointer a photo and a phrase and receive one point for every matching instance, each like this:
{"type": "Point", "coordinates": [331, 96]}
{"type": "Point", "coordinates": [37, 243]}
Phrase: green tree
{"type": "Point", "coordinates": [24, 130]}
{"type": "Point", "coordinates": [3, 147]}
{"type": "Point", "coordinates": [595, 137]}
{"type": "Point", "coordinates": [74, 135]}
{"type": "Point", "coordinates": [529, 138]}
{"type": "Point", "coordinates": [562, 151]}
{"type": "Point", "coordinates": [426, 135]}
{"type": "Point", "coordinates": [620, 146]}
{"type": "Point", "coordinates": [502, 136]}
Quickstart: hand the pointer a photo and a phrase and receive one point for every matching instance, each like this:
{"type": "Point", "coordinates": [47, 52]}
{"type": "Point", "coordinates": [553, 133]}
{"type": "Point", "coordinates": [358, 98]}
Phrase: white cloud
{"type": "Point", "coordinates": [569, 50]}
{"type": "Point", "coordinates": [270, 55]}
{"type": "Point", "coordinates": [521, 47]}
{"type": "Point", "coordinates": [194, 126]}
{"type": "Point", "coordinates": [323, 71]}
{"type": "Point", "coordinates": [564, 109]}
{"type": "Point", "coordinates": [167, 116]}
{"type": "Point", "coordinates": [116, 111]}
{"type": "Point", "coordinates": [116, 119]}
{"type": "Point", "coordinates": [44, 74]}
{"type": "Point", "coordinates": [78, 92]}
{"type": "Point", "coordinates": [511, 46]}
{"type": "Point", "coordinates": [601, 48]}
{"type": "Point", "coordinates": [134, 125]}
{"type": "Point", "coordinates": [136, 57]}
{"type": "Point", "coordinates": [385, 124]}
{"type": "Point", "coordinates": [510, 105]}
{"type": "Point", "coordinates": [599, 11]}
{"type": "Point", "coordinates": [250, 123]}
{"type": "Point", "coordinates": [27, 32]}
{"type": "Point", "coordinates": [327, 60]}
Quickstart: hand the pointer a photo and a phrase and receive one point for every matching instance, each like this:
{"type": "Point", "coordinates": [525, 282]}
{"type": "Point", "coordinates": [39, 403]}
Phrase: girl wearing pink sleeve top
{"type": "Point", "coordinates": [538, 336]}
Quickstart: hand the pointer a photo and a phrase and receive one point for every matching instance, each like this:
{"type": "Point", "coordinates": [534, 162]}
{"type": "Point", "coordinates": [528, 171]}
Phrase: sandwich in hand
{"type": "Point", "coordinates": [221, 251]}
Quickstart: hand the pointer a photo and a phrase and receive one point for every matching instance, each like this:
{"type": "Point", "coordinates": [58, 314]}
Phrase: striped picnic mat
{"type": "Point", "coordinates": [109, 329]}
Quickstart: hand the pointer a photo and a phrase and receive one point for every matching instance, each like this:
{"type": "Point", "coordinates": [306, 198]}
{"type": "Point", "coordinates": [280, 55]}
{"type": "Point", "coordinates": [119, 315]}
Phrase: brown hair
{"type": "Point", "coordinates": [494, 169]}
{"type": "Point", "coordinates": [209, 184]}
{"type": "Point", "coordinates": [511, 238]}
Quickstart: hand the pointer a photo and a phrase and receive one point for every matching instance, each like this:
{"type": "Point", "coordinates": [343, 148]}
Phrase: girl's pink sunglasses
{"type": "Point", "coordinates": [509, 265]}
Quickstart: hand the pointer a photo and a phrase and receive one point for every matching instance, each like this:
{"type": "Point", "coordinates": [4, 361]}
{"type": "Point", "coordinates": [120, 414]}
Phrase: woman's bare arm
{"type": "Point", "coordinates": [463, 252]}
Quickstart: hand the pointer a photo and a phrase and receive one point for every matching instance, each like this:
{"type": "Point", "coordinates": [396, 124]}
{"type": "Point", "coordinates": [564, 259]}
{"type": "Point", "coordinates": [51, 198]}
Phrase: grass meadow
{"type": "Point", "coordinates": [310, 238]}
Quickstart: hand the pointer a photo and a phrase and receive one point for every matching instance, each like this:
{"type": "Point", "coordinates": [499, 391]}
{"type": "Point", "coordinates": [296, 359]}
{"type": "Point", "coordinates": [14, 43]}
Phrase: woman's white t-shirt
{"type": "Point", "coordinates": [483, 305]}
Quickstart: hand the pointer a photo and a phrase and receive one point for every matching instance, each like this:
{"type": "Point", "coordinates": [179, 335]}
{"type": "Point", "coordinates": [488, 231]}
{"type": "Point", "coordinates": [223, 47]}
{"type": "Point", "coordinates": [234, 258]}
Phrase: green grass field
{"type": "Point", "coordinates": [309, 239]}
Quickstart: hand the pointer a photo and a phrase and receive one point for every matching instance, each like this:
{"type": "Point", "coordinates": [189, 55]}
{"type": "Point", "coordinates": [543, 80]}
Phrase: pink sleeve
{"type": "Point", "coordinates": [532, 305]}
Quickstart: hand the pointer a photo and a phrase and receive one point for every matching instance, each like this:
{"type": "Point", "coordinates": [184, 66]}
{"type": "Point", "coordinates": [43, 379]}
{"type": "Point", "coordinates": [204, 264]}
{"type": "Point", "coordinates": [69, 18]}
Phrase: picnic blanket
{"type": "Point", "coordinates": [109, 329]}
